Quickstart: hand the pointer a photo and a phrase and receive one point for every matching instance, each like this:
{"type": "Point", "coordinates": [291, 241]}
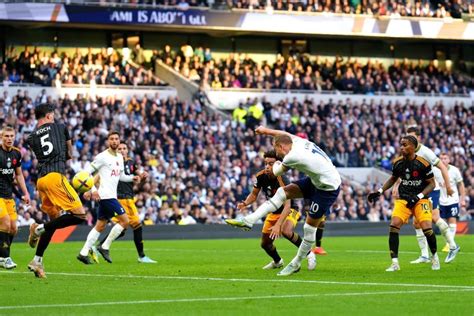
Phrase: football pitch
{"type": "Point", "coordinates": [223, 277]}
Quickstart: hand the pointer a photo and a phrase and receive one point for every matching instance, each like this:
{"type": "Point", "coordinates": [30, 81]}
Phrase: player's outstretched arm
{"type": "Point", "coordinates": [275, 230]}
{"type": "Point", "coordinates": [252, 197]}
{"type": "Point", "coordinates": [262, 130]}
{"type": "Point", "coordinates": [444, 172]}
{"type": "Point", "coordinates": [374, 196]}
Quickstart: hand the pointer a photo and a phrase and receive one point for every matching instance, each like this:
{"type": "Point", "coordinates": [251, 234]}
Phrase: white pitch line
{"type": "Point", "coordinates": [197, 278]}
{"type": "Point", "coordinates": [219, 299]}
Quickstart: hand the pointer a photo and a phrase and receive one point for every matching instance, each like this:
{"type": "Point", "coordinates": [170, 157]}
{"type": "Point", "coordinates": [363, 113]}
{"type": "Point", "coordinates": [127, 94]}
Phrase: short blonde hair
{"type": "Point", "coordinates": [282, 139]}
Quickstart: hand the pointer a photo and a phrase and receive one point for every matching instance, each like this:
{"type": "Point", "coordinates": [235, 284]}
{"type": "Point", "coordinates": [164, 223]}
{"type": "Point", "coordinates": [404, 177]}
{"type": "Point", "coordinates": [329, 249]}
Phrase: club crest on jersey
{"type": "Point", "coordinates": [9, 163]}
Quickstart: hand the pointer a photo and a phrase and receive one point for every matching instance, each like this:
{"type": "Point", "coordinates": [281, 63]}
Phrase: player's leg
{"type": "Point", "coordinates": [288, 231]}
{"type": "Point", "coordinates": [422, 243]}
{"type": "Point", "coordinates": [321, 203]}
{"type": "Point", "coordinates": [92, 237]}
{"type": "Point", "coordinates": [62, 204]}
{"type": "Point", "coordinates": [11, 208]}
{"type": "Point", "coordinates": [444, 228]}
{"type": "Point", "coordinates": [424, 217]}
{"type": "Point", "coordinates": [4, 233]}
{"type": "Point", "coordinates": [451, 213]}
{"type": "Point", "coordinates": [288, 228]}
{"type": "Point", "coordinates": [400, 215]}
{"type": "Point", "coordinates": [114, 207]}
{"type": "Point", "coordinates": [134, 222]}
{"type": "Point", "coordinates": [267, 243]}
{"type": "Point", "coordinates": [319, 250]}
{"type": "Point", "coordinates": [290, 191]}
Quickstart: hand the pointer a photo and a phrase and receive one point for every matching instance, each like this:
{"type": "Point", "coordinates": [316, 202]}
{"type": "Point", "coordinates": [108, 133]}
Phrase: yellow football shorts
{"type": "Point", "coordinates": [56, 194]}
{"type": "Point", "coordinates": [8, 207]}
{"type": "Point", "coordinates": [421, 211]}
{"type": "Point", "coordinates": [271, 220]}
{"type": "Point", "coordinates": [131, 211]}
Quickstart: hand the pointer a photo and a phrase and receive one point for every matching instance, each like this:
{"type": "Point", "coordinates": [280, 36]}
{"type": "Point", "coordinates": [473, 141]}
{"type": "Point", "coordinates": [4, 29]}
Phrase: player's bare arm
{"type": "Point", "coordinates": [251, 198]}
{"type": "Point", "coordinates": [69, 149]}
{"type": "Point", "coordinates": [444, 172]}
{"type": "Point", "coordinates": [21, 182]}
{"type": "Point", "coordinates": [462, 194]}
{"type": "Point", "coordinates": [262, 130]}
{"type": "Point", "coordinates": [276, 229]}
{"type": "Point", "coordinates": [374, 196]}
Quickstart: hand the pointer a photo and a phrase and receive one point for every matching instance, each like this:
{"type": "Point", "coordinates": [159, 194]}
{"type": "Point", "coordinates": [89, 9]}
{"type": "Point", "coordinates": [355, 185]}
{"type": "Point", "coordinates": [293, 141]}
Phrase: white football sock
{"type": "Point", "coordinates": [114, 233]}
{"type": "Point", "coordinates": [306, 244]}
{"type": "Point", "coordinates": [422, 243]}
{"type": "Point", "coordinates": [91, 239]}
{"type": "Point", "coordinates": [452, 228]}
{"type": "Point", "coordinates": [39, 229]}
{"type": "Point", "coordinates": [268, 207]}
{"type": "Point", "coordinates": [444, 228]}
{"type": "Point", "coordinates": [38, 259]}
{"type": "Point", "coordinates": [394, 260]}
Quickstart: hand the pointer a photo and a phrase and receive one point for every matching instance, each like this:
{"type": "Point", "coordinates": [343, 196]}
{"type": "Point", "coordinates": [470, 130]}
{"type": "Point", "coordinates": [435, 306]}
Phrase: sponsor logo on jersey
{"type": "Point", "coordinates": [412, 182]}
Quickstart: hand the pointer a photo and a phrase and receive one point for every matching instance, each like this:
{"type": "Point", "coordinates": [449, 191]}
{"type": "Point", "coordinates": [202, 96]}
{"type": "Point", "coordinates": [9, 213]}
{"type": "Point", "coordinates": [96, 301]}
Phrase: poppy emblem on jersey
{"type": "Point", "coordinates": [14, 161]}
{"type": "Point", "coordinates": [415, 173]}
{"type": "Point", "coordinates": [131, 169]}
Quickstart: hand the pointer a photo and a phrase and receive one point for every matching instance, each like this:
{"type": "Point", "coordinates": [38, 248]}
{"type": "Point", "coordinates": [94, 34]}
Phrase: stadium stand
{"type": "Point", "coordinates": [79, 66]}
{"type": "Point", "coordinates": [183, 146]}
{"type": "Point", "coordinates": [296, 72]}
{"type": "Point", "coordinates": [304, 72]}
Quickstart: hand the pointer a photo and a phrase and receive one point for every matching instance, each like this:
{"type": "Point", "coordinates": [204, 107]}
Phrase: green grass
{"type": "Point", "coordinates": [225, 277]}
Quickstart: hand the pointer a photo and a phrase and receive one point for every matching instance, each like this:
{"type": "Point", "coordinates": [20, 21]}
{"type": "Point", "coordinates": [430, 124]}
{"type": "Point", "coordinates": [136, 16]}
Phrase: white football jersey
{"type": "Point", "coordinates": [454, 178]}
{"type": "Point", "coordinates": [110, 169]}
{"type": "Point", "coordinates": [431, 157]}
{"type": "Point", "coordinates": [311, 160]}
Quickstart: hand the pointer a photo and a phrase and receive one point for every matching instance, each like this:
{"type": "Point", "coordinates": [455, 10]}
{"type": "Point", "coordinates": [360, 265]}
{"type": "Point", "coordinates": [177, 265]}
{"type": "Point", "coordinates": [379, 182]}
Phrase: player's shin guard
{"type": "Point", "coordinates": [444, 228]}
{"type": "Point", "coordinates": [4, 245]}
{"type": "Point", "coordinates": [63, 221]}
{"type": "Point", "coordinates": [138, 239]}
{"type": "Point", "coordinates": [114, 233]}
{"type": "Point", "coordinates": [420, 236]}
{"type": "Point", "coordinates": [268, 207]}
{"type": "Point", "coordinates": [431, 238]}
{"type": "Point", "coordinates": [44, 242]}
{"type": "Point", "coordinates": [394, 241]}
{"type": "Point", "coordinates": [306, 244]}
{"type": "Point", "coordinates": [90, 241]}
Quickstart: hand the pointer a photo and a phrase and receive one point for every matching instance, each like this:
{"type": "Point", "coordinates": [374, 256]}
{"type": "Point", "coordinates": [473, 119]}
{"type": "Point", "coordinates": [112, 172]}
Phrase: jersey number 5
{"type": "Point", "coordinates": [46, 145]}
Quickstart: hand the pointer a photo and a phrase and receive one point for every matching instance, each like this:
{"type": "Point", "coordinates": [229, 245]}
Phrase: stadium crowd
{"type": "Point", "coordinates": [305, 72]}
{"type": "Point", "coordinates": [107, 67]}
{"type": "Point", "coordinates": [394, 8]}
{"type": "Point", "coordinates": [201, 164]}
{"type": "Point", "coordinates": [296, 72]}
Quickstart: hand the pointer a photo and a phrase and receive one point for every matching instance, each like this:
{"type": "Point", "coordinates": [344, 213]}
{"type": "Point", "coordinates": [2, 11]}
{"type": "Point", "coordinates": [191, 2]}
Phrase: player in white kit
{"type": "Point", "coordinates": [449, 205]}
{"type": "Point", "coordinates": [321, 186]}
{"type": "Point", "coordinates": [109, 166]}
{"type": "Point", "coordinates": [443, 176]}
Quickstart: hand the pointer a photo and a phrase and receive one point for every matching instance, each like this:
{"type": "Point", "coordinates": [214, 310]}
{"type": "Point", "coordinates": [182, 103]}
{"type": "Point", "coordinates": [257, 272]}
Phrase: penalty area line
{"type": "Point", "coordinates": [220, 299]}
